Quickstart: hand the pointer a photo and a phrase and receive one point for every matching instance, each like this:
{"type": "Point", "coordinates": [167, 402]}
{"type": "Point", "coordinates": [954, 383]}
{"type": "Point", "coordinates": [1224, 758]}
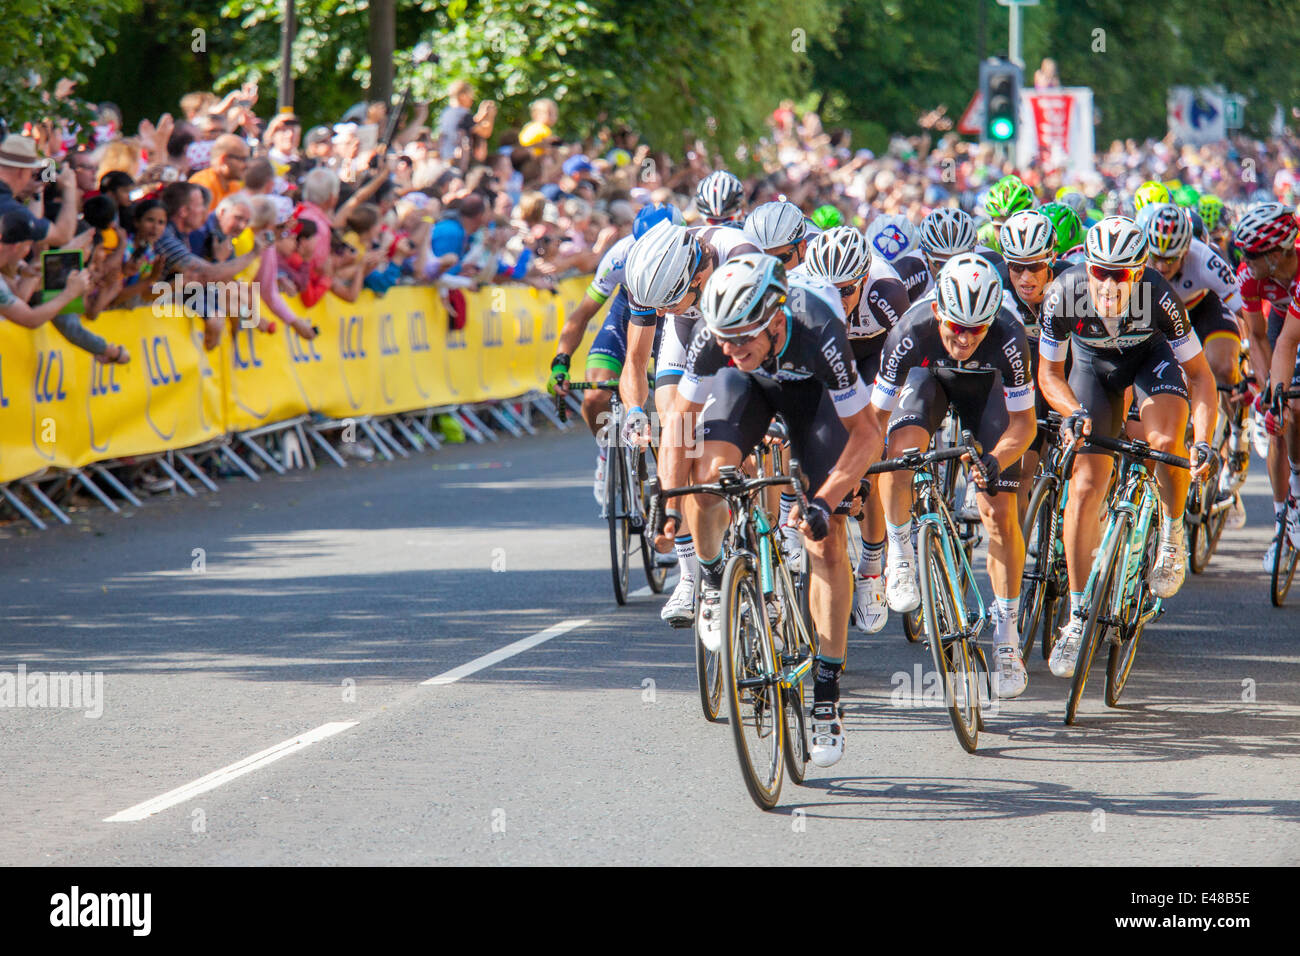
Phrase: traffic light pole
{"type": "Point", "coordinates": [1013, 43]}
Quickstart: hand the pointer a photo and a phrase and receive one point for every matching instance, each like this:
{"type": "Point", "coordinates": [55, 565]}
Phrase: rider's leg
{"type": "Point", "coordinates": [1164, 426]}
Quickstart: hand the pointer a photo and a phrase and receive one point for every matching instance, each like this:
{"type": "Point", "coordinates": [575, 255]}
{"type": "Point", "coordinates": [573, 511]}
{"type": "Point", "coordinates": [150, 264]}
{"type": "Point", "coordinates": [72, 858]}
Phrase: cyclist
{"type": "Point", "coordinates": [1009, 195]}
{"type": "Point", "coordinates": [963, 349]}
{"type": "Point", "coordinates": [894, 240]}
{"type": "Point", "coordinates": [720, 198]}
{"type": "Point", "coordinates": [947, 232]}
{"type": "Point", "coordinates": [605, 357]}
{"type": "Point", "coordinates": [665, 271]}
{"type": "Point", "coordinates": [1029, 245]}
{"type": "Point", "coordinates": [779, 229]}
{"type": "Point", "coordinates": [874, 300]}
{"type": "Point", "coordinates": [788, 354]}
{"type": "Point", "coordinates": [1270, 270]}
{"type": "Point", "coordinates": [1123, 326]}
{"type": "Point", "coordinates": [1217, 218]}
{"type": "Point", "coordinates": [827, 217]}
{"type": "Point", "coordinates": [1205, 285]}
{"type": "Point", "coordinates": [1150, 192]}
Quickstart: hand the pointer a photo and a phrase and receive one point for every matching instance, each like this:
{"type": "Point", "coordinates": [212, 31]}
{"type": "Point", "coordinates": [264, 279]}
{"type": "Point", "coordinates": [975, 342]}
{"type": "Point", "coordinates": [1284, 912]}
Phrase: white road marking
{"type": "Point", "coordinates": [510, 650]}
{"type": "Point", "coordinates": [670, 582]}
{"type": "Point", "coordinates": [226, 774]}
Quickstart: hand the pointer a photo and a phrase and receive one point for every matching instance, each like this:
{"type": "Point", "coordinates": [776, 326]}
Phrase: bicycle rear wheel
{"type": "Point", "coordinates": [656, 575]}
{"type": "Point", "coordinates": [952, 656]}
{"type": "Point", "coordinates": [1098, 613]}
{"type": "Point", "coordinates": [753, 688]}
{"type": "Point", "coordinates": [617, 507]}
{"type": "Point", "coordinates": [1283, 568]}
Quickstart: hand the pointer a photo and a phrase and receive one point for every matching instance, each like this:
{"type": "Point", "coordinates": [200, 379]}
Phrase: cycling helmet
{"type": "Point", "coordinates": [827, 217]}
{"type": "Point", "coordinates": [1117, 242]}
{"type": "Point", "coordinates": [719, 195]}
{"type": "Point", "coordinates": [1067, 225]}
{"type": "Point", "coordinates": [1149, 192]}
{"type": "Point", "coordinates": [892, 236]}
{"type": "Point", "coordinates": [1265, 227]}
{"type": "Point", "coordinates": [1026, 236]}
{"type": "Point", "coordinates": [947, 232]}
{"type": "Point", "coordinates": [661, 264]}
{"type": "Point", "coordinates": [968, 290]}
{"type": "Point", "coordinates": [1198, 225]}
{"type": "Point", "coordinates": [1168, 230]}
{"type": "Point", "coordinates": [742, 290]}
{"type": "Point", "coordinates": [839, 255]}
{"type": "Point", "coordinates": [1076, 201]}
{"type": "Point", "coordinates": [1186, 196]}
{"type": "Point", "coordinates": [652, 214]}
{"type": "Point", "coordinates": [774, 224]}
{"type": "Point", "coordinates": [1212, 210]}
{"type": "Point", "coordinates": [1009, 195]}
{"type": "Point", "coordinates": [1065, 191]}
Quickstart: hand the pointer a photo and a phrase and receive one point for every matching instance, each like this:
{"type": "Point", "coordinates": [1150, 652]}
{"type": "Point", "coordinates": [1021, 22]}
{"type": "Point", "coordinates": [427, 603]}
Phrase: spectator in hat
{"type": "Point", "coordinates": [18, 165]}
{"type": "Point", "coordinates": [225, 175]}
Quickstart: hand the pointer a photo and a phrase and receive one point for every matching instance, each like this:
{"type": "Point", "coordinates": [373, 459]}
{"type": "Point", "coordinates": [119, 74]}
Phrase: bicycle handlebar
{"type": "Point", "coordinates": [729, 485]}
{"type": "Point", "coordinates": [1136, 449]}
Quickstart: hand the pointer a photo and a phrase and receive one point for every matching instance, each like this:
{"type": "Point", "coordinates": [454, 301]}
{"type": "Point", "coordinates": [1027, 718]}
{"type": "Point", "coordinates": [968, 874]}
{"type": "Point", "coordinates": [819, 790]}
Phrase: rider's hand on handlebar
{"type": "Point", "coordinates": [666, 540]}
{"type": "Point", "coordinates": [1204, 461]}
{"type": "Point", "coordinates": [816, 523]}
{"type": "Point", "coordinates": [559, 379]}
{"type": "Point", "coordinates": [636, 427]}
{"type": "Point", "coordinates": [1078, 424]}
{"type": "Point", "coordinates": [1272, 416]}
{"type": "Point", "coordinates": [984, 472]}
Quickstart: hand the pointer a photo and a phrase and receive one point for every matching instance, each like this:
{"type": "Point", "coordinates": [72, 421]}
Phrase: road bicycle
{"type": "Point", "coordinates": [1118, 597]}
{"type": "Point", "coordinates": [768, 640]}
{"type": "Point", "coordinates": [628, 469]}
{"type": "Point", "coordinates": [1285, 564]}
{"type": "Point", "coordinates": [1044, 586]}
{"type": "Point", "coordinates": [952, 610]}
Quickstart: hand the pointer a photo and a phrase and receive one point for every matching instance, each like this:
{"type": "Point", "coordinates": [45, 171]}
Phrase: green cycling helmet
{"type": "Point", "coordinates": [827, 217]}
{"type": "Point", "coordinates": [1068, 225]}
{"type": "Point", "coordinates": [1212, 210]}
{"type": "Point", "coordinates": [1186, 196]}
{"type": "Point", "coordinates": [987, 235]}
{"type": "Point", "coordinates": [1008, 195]}
{"type": "Point", "coordinates": [1149, 192]}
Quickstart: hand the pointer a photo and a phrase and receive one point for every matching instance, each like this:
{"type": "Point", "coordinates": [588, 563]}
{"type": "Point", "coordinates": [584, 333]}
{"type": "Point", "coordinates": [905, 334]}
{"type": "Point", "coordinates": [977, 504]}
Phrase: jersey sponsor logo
{"type": "Point", "coordinates": [896, 356]}
{"type": "Point", "coordinates": [1160, 369]}
{"type": "Point", "coordinates": [839, 368]}
{"type": "Point", "coordinates": [1012, 351]}
{"type": "Point", "coordinates": [1022, 392]}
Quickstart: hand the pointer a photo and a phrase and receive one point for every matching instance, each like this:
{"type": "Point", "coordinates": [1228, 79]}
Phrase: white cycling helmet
{"type": "Point", "coordinates": [1265, 226]}
{"type": "Point", "coordinates": [741, 291]}
{"type": "Point", "coordinates": [660, 265]}
{"type": "Point", "coordinates": [1168, 229]}
{"type": "Point", "coordinates": [968, 290]}
{"type": "Point", "coordinates": [1117, 242]}
{"type": "Point", "coordinates": [947, 232]}
{"type": "Point", "coordinates": [892, 236]}
{"type": "Point", "coordinates": [838, 255]}
{"type": "Point", "coordinates": [719, 195]}
{"type": "Point", "coordinates": [774, 224]}
{"type": "Point", "coordinates": [1026, 236]}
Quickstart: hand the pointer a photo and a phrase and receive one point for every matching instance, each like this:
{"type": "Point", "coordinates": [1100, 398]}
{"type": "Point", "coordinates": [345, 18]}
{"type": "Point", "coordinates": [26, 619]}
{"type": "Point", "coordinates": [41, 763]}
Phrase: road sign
{"type": "Point", "coordinates": [972, 120]}
{"type": "Point", "coordinates": [1234, 107]}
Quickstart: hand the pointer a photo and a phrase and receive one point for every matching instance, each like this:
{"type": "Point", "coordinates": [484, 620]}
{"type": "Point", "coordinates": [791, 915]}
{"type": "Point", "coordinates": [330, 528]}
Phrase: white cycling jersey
{"type": "Point", "coordinates": [609, 274]}
{"type": "Point", "coordinates": [1205, 271]}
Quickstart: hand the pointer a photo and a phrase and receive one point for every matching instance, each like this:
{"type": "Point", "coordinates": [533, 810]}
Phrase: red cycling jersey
{"type": "Point", "coordinates": [1284, 299]}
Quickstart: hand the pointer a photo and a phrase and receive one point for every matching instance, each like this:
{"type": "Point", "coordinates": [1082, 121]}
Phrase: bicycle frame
{"type": "Point", "coordinates": [931, 509]}
{"type": "Point", "coordinates": [1138, 500]}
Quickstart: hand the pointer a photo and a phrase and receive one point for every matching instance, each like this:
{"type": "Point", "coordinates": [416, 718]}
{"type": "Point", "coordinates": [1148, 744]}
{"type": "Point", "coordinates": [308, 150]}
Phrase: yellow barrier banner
{"type": "Point", "coordinates": [377, 356]}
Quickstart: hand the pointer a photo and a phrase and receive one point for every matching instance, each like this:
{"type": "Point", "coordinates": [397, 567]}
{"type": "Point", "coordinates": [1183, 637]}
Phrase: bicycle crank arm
{"type": "Point", "coordinates": [794, 676]}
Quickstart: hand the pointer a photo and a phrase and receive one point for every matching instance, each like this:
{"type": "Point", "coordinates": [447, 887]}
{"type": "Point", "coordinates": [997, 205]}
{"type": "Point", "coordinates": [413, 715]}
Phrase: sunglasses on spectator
{"type": "Point", "coordinates": [1038, 266]}
{"type": "Point", "coordinates": [1120, 276]}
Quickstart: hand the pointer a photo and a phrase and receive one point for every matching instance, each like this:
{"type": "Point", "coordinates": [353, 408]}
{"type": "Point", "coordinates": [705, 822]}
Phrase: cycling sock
{"type": "Point", "coordinates": [711, 572]}
{"type": "Point", "coordinates": [1076, 603]}
{"type": "Point", "coordinates": [1007, 631]}
{"type": "Point", "coordinates": [1279, 510]}
{"type": "Point", "coordinates": [900, 542]}
{"type": "Point", "coordinates": [826, 679]}
{"type": "Point", "coordinates": [787, 502]}
{"type": "Point", "coordinates": [1171, 529]}
{"type": "Point", "coordinates": [687, 565]}
{"type": "Point", "coordinates": [872, 562]}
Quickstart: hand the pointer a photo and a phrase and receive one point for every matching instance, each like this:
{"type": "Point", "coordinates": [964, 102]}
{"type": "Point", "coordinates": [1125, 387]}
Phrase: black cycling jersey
{"type": "Point", "coordinates": [1028, 317]}
{"type": "Point", "coordinates": [914, 273]}
{"type": "Point", "coordinates": [816, 347]}
{"type": "Point", "coordinates": [1069, 316]}
{"type": "Point", "coordinates": [915, 343]}
{"type": "Point", "coordinates": [881, 306]}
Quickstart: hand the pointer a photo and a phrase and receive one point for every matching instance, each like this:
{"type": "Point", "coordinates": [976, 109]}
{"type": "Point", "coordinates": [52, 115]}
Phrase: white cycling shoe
{"type": "Point", "coordinates": [679, 610]}
{"type": "Point", "coordinates": [1293, 522]}
{"type": "Point", "coordinates": [1065, 652]}
{"type": "Point", "coordinates": [598, 484]}
{"type": "Point", "coordinates": [1170, 568]}
{"type": "Point", "coordinates": [1012, 678]}
{"type": "Point", "coordinates": [793, 539]}
{"type": "Point", "coordinates": [826, 735]}
{"type": "Point", "coordinates": [902, 591]}
{"type": "Point", "coordinates": [1270, 557]}
{"type": "Point", "coordinates": [708, 624]}
{"type": "Point", "coordinates": [1236, 513]}
{"type": "Point", "coordinates": [870, 611]}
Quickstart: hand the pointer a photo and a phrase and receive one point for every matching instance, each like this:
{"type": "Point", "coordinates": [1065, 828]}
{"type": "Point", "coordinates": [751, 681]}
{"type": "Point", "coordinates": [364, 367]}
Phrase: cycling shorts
{"type": "Point", "coordinates": [1099, 380]}
{"type": "Point", "coordinates": [1210, 319]}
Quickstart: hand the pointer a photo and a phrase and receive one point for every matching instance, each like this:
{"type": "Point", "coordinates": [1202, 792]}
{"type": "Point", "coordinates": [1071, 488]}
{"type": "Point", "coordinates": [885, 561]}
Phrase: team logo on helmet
{"type": "Point", "coordinates": [890, 241]}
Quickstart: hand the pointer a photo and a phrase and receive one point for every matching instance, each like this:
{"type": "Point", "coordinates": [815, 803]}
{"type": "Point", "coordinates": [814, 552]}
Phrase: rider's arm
{"type": "Point", "coordinates": [1284, 353]}
{"type": "Point", "coordinates": [1015, 441]}
{"type": "Point", "coordinates": [634, 384]}
{"type": "Point", "coordinates": [1173, 321]}
{"type": "Point", "coordinates": [575, 324]}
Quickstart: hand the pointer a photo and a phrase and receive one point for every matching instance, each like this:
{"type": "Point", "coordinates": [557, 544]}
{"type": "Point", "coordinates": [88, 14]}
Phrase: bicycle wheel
{"type": "Point", "coordinates": [1283, 569]}
{"type": "Point", "coordinates": [656, 575]}
{"type": "Point", "coordinates": [616, 513]}
{"type": "Point", "coordinates": [798, 644]}
{"type": "Point", "coordinates": [1098, 613]}
{"type": "Point", "coordinates": [753, 689]}
{"type": "Point", "coordinates": [952, 656]}
{"type": "Point", "coordinates": [1057, 609]}
{"type": "Point", "coordinates": [1040, 552]}
{"type": "Point", "coordinates": [708, 674]}
{"type": "Point", "coordinates": [1119, 662]}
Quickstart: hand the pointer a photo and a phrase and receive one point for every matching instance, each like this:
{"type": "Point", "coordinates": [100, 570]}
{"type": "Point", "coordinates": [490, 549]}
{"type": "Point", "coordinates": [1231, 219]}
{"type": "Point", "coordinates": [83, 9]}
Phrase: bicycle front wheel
{"type": "Point", "coordinates": [1040, 551]}
{"type": "Point", "coordinates": [1283, 568]}
{"type": "Point", "coordinates": [1098, 615]}
{"type": "Point", "coordinates": [617, 508]}
{"type": "Point", "coordinates": [708, 674]}
{"type": "Point", "coordinates": [753, 685]}
{"type": "Point", "coordinates": [952, 655]}
{"type": "Point", "coordinates": [1119, 662]}
{"type": "Point", "coordinates": [656, 574]}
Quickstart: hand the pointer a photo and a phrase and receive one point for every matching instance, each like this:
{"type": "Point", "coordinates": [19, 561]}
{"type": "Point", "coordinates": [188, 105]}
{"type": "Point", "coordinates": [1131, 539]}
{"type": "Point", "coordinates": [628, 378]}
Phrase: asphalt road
{"type": "Point", "coordinates": [326, 600]}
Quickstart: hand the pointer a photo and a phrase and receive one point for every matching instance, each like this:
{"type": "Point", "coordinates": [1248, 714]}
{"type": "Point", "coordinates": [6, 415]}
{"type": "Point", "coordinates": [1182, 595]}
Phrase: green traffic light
{"type": "Point", "coordinates": [1002, 128]}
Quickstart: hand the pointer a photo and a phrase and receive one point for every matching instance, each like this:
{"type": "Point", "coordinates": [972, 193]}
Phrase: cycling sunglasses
{"type": "Point", "coordinates": [846, 291]}
{"type": "Point", "coordinates": [744, 338]}
{"type": "Point", "coordinates": [956, 328]}
{"type": "Point", "coordinates": [1121, 275]}
{"type": "Point", "coordinates": [789, 253]}
{"type": "Point", "coordinates": [1038, 266]}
